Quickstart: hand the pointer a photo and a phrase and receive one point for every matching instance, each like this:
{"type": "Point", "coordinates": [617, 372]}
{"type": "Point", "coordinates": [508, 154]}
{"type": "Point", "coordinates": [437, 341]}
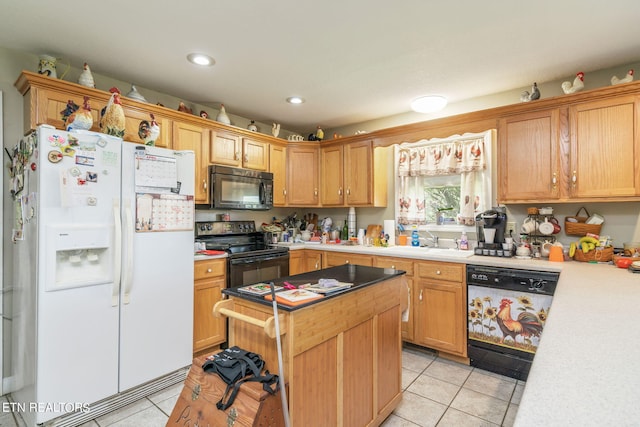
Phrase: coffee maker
{"type": "Point", "coordinates": [495, 218]}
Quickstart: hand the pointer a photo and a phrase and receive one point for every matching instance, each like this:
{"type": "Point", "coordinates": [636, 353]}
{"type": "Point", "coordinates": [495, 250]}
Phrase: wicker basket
{"type": "Point", "coordinates": [598, 254]}
{"type": "Point", "coordinates": [580, 228]}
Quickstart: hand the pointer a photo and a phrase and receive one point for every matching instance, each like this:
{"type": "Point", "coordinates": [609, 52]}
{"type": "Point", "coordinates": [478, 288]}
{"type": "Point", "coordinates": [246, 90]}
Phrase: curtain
{"type": "Point", "coordinates": [465, 156]}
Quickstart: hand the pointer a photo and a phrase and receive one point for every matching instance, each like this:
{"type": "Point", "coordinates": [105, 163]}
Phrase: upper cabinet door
{"type": "Point", "coordinates": [225, 149]}
{"type": "Point", "coordinates": [278, 167]}
{"type": "Point", "coordinates": [302, 175]}
{"type": "Point", "coordinates": [331, 170]}
{"type": "Point", "coordinates": [359, 172]}
{"type": "Point", "coordinates": [605, 148]}
{"type": "Point", "coordinates": [187, 136]}
{"type": "Point", "coordinates": [529, 161]}
{"type": "Point", "coordinates": [255, 154]}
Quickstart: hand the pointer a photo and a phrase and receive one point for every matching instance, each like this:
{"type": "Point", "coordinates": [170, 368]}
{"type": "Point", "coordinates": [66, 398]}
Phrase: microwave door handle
{"type": "Point", "coordinates": [262, 193]}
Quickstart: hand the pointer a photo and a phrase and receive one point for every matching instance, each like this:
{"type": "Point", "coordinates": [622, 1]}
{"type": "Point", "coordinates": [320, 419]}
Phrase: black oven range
{"type": "Point", "coordinates": [250, 258]}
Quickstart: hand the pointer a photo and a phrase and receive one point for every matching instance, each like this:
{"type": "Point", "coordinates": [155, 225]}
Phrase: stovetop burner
{"type": "Point", "coordinates": [237, 238]}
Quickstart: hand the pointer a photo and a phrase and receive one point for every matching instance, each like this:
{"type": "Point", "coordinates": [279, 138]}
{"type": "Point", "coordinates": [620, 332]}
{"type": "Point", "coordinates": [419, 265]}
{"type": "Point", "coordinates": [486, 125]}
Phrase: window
{"type": "Point", "coordinates": [450, 178]}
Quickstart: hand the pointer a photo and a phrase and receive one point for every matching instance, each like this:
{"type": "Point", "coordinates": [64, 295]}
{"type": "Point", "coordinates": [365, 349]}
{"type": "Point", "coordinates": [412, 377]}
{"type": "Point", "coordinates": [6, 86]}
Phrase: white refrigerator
{"type": "Point", "coordinates": [103, 272]}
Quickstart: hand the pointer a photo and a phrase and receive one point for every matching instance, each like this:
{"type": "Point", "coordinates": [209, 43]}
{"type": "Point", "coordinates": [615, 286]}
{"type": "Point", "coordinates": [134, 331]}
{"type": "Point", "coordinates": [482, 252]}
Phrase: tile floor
{"type": "Point", "coordinates": [437, 392]}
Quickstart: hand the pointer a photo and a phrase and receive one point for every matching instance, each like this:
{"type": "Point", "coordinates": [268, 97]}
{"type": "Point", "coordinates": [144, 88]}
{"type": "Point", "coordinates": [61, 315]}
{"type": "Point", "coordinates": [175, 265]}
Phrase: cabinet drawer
{"type": "Point", "coordinates": [334, 259]}
{"type": "Point", "coordinates": [395, 263]}
{"type": "Point", "coordinates": [209, 268]}
{"type": "Point", "coordinates": [441, 271]}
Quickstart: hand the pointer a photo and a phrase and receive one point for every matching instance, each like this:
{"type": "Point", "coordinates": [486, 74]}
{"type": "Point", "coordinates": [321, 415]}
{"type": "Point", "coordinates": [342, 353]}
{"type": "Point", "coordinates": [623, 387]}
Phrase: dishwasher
{"type": "Point", "coordinates": [507, 311]}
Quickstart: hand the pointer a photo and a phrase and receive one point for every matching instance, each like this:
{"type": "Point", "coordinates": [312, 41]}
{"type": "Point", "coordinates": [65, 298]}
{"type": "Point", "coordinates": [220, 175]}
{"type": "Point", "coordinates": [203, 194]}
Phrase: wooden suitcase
{"type": "Point", "coordinates": [196, 405]}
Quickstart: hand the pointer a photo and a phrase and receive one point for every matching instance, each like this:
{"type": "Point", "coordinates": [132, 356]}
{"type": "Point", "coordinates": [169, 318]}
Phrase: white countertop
{"type": "Point", "coordinates": [585, 372]}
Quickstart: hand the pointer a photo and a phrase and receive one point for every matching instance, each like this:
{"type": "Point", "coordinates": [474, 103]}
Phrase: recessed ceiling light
{"type": "Point", "coordinates": [295, 100]}
{"type": "Point", "coordinates": [429, 103]}
{"type": "Point", "coordinates": [200, 59]}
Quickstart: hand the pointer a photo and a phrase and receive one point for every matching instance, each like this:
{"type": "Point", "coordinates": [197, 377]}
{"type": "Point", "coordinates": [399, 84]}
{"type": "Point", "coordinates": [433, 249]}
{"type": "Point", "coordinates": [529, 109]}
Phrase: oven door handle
{"type": "Point", "coordinates": [253, 260]}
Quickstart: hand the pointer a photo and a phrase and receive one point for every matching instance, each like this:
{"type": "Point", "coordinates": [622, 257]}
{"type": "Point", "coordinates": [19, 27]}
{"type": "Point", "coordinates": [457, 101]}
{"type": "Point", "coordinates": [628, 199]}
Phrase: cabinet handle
{"type": "Point", "coordinates": [393, 266]}
{"type": "Point", "coordinates": [236, 155]}
{"type": "Point", "coordinates": [348, 191]}
{"type": "Point", "coordinates": [554, 180]}
{"type": "Point", "coordinates": [574, 178]}
{"type": "Point", "coordinates": [209, 270]}
{"type": "Point", "coordinates": [204, 184]}
{"type": "Point", "coordinates": [246, 159]}
{"type": "Point", "coordinates": [317, 266]}
{"type": "Point", "coordinates": [347, 262]}
{"type": "Point", "coordinates": [284, 192]}
{"type": "Point", "coordinates": [438, 272]}
{"type": "Point", "coordinates": [420, 296]}
{"type": "Point", "coordinates": [340, 191]}
{"type": "Point", "coordinates": [315, 192]}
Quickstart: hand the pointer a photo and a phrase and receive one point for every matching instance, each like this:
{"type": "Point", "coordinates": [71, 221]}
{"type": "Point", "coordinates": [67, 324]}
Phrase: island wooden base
{"type": "Point", "coordinates": [342, 357]}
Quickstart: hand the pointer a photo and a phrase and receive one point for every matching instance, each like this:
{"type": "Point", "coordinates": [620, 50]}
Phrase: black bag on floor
{"type": "Point", "coordinates": [236, 366]}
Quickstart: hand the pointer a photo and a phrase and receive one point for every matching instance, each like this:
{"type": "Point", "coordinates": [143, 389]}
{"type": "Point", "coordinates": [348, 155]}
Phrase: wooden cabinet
{"type": "Point", "coordinates": [312, 260]}
{"type": "Point", "coordinates": [303, 261]}
{"type": "Point", "coordinates": [345, 368]}
{"type": "Point", "coordinates": [440, 307]}
{"type": "Point", "coordinates": [303, 179]}
{"type": "Point", "coordinates": [45, 104]}
{"type": "Point", "coordinates": [209, 280]}
{"type": "Point", "coordinates": [586, 151]}
{"type": "Point", "coordinates": [278, 167]}
{"type": "Point", "coordinates": [529, 157]}
{"type": "Point", "coordinates": [353, 175]}
{"type": "Point", "coordinates": [605, 148]}
{"type": "Point", "coordinates": [188, 136]}
{"type": "Point", "coordinates": [332, 175]}
{"type": "Point", "coordinates": [231, 149]}
{"type": "Point", "coordinates": [406, 265]}
{"type": "Point", "coordinates": [333, 259]}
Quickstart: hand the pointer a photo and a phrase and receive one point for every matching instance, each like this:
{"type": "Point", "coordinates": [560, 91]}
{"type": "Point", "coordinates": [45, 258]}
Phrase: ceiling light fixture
{"type": "Point", "coordinates": [295, 100]}
{"type": "Point", "coordinates": [201, 59]}
{"type": "Point", "coordinates": [429, 104]}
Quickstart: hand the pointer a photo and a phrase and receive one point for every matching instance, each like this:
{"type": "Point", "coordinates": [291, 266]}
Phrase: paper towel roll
{"type": "Point", "coordinates": [390, 229]}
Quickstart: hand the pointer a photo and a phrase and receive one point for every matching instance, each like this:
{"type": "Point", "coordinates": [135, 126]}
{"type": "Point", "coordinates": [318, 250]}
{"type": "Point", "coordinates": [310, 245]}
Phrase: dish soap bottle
{"type": "Point", "coordinates": [415, 238]}
{"type": "Point", "coordinates": [464, 243]}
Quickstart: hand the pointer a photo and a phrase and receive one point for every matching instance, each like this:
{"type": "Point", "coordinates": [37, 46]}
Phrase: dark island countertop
{"type": "Point", "coordinates": [361, 276]}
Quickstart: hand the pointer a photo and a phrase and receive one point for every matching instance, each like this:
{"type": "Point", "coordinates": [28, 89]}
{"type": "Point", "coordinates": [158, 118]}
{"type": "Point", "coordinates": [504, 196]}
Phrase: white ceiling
{"type": "Point", "coordinates": [352, 60]}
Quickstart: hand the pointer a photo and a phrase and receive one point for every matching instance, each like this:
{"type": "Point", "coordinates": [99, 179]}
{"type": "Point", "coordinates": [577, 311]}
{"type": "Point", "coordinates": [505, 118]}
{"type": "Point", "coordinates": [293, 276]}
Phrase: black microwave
{"type": "Point", "coordinates": [234, 188]}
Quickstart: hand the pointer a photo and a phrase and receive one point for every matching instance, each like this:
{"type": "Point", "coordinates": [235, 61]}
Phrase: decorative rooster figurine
{"type": "Point", "coordinates": [578, 84]}
{"type": "Point", "coordinates": [86, 78]}
{"type": "Point", "coordinates": [626, 79]}
{"type": "Point", "coordinates": [535, 94]}
{"type": "Point", "coordinates": [75, 118]}
{"type": "Point", "coordinates": [149, 132]}
{"type": "Point", "coordinates": [112, 121]}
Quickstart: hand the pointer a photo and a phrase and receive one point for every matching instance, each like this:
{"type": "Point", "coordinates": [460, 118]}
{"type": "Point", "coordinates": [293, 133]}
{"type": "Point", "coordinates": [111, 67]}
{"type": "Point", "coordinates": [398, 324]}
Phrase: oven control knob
{"type": "Point", "coordinates": [537, 284]}
{"type": "Point", "coordinates": [209, 227]}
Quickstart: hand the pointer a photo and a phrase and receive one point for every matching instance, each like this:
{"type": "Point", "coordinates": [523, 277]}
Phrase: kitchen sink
{"type": "Point", "coordinates": [441, 252]}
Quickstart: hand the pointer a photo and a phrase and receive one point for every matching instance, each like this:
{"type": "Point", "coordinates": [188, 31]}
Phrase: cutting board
{"type": "Point", "coordinates": [374, 230]}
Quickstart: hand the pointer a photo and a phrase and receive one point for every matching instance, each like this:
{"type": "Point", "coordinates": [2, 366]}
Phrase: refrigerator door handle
{"type": "Point", "coordinates": [128, 215]}
{"type": "Point", "coordinates": [117, 249]}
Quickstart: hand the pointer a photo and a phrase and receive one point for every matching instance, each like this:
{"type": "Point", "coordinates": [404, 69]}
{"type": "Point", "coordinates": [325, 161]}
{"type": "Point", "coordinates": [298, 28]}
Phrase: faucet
{"type": "Point", "coordinates": [434, 238]}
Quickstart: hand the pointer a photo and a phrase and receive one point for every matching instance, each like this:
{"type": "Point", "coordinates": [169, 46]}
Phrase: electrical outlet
{"type": "Point", "coordinates": [511, 227]}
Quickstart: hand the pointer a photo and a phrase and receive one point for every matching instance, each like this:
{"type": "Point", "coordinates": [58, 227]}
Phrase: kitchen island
{"type": "Point", "coordinates": [342, 353]}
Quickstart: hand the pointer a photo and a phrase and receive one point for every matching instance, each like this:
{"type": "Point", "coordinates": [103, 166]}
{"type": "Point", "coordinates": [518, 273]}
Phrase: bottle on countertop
{"type": "Point", "coordinates": [415, 238]}
{"type": "Point", "coordinates": [464, 242]}
{"type": "Point", "coordinates": [345, 231]}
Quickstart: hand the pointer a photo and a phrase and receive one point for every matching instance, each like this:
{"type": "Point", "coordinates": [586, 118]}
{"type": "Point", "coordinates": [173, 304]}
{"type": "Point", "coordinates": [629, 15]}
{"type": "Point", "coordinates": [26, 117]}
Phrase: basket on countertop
{"type": "Point", "coordinates": [578, 227]}
{"type": "Point", "coordinates": [598, 254]}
